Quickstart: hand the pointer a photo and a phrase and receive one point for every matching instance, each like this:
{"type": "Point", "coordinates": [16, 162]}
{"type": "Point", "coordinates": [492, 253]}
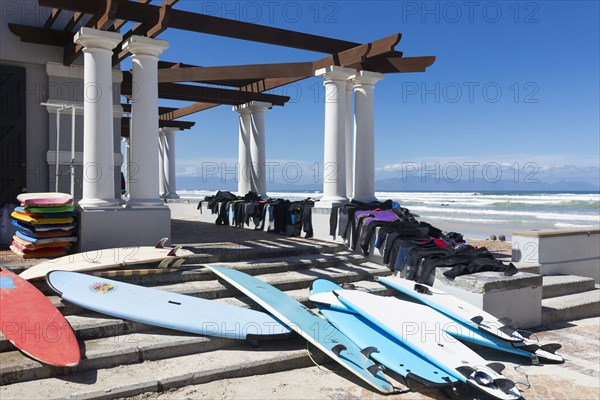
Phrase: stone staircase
{"type": "Point", "coordinates": [124, 358]}
{"type": "Point", "coordinates": [568, 298]}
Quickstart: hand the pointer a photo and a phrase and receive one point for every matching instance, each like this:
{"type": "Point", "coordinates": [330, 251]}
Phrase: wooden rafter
{"type": "Point", "coordinates": [201, 23]}
{"type": "Point", "coordinates": [32, 34]}
{"type": "Point", "coordinates": [72, 23]}
{"type": "Point", "coordinates": [161, 110]}
{"type": "Point", "coordinates": [54, 14]}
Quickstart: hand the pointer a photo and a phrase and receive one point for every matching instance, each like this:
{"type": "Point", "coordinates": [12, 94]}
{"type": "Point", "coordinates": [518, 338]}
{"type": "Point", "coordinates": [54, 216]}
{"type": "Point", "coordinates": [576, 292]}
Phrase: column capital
{"type": "Point", "coordinates": [169, 130]}
{"type": "Point", "coordinates": [335, 73]}
{"type": "Point", "coordinates": [366, 78]}
{"type": "Point", "coordinates": [91, 38]}
{"type": "Point", "coordinates": [144, 46]}
{"type": "Point", "coordinates": [241, 109]}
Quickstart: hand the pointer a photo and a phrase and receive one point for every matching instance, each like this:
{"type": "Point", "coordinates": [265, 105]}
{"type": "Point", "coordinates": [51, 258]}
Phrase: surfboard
{"type": "Point", "coordinates": [478, 320]}
{"type": "Point", "coordinates": [25, 239]}
{"type": "Point", "coordinates": [386, 350]}
{"type": "Point", "coordinates": [164, 309]}
{"type": "Point", "coordinates": [117, 257]}
{"type": "Point", "coordinates": [45, 199]}
{"type": "Point", "coordinates": [23, 211]}
{"type": "Point", "coordinates": [309, 325]}
{"type": "Point", "coordinates": [46, 252]}
{"type": "Point", "coordinates": [48, 210]}
{"type": "Point", "coordinates": [27, 228]}
{"type": "Point", "coordinates": [33, 324]}
{"type": "Point", "coordinates": [25, 246]}
{"type": "Point", "coordinates": [41, 220]}
{"type": "Point", "coordinates": [426, 338]}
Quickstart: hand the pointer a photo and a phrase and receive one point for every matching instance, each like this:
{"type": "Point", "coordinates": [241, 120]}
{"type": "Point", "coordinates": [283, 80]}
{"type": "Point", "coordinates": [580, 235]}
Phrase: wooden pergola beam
{"type": "Point", "coordinates": [187, 110]}
{"type": "Point", "coordinates": [33, 34]}
{"type": "Point", "coordinates": [161, 110]}
{"type": "Point", "coordinates": [77, 16]}
{"type": "Point", "coordinates": [201, 23]}
{"type": "Point", "coordinates": [175, 91]}
{"type": "Point", "coordinates": [125, 125]}
{"type": "Point", "coordinates": [235, 72]}
{"type": "Point", "coordinates": [389, 65]}
{"type": "Point", "coordinates": [54, 14]}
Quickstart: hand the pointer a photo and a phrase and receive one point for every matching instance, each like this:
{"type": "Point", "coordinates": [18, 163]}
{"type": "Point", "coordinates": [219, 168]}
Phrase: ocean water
{"type": "Point", "coordinates": [479, 215]}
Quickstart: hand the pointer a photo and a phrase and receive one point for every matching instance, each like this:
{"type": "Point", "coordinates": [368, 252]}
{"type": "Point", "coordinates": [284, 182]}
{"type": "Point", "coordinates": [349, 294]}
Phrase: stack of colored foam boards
{"type": "Point", "coordinates": [45, 225]}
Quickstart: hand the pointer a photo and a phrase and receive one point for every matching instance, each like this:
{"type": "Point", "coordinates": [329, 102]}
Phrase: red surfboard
{"type": "Point", "coordinates": [33, 324]}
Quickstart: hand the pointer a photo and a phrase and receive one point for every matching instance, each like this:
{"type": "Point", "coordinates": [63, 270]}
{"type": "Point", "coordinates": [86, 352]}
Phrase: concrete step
{"type": "Point", "coordinates": [95, 324]}
{"type": "Point", "coordinates": [562, 285]}
{"type": "Point", "coordinates": [161, 375]}
{"type": "Point", "coordinates": [109, 342]}
{"type": "Point", "coordinates": [527, 267]}
{"type": "Point", "coordinates": [191, 272]}
{"type": "Point", "coordinates": [571, 307]}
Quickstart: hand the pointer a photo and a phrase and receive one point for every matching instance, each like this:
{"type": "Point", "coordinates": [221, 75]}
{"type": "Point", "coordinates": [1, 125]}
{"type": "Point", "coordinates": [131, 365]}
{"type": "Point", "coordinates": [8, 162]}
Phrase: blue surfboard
{"type": "Point", "coordinates": [309, 325]}
{"type": "Point", "coordinates": [390, 353]}
{"type": "Point", "coordinates": [164, 309]}
{"type": "Point", "coordinates": [32, 239]}
{"type": "Point", "coordinates": [25, 227]}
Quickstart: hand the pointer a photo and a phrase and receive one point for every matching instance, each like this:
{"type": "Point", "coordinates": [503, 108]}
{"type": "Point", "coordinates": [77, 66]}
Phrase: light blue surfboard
{"type": "Point", "coordinates": [473, 332]}
{"type": "Point", "coordinates": [309, 325]}
{"type": "Point", "coordinates": [390, 353]}
{"type": "Point", "coordinates": [164, 309]}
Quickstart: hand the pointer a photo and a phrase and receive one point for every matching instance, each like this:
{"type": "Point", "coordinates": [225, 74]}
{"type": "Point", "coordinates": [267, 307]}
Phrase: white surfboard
{"type": "Point", "coordinates": [118, 257]}
{"type": "Point", "coordinates": [475, 317]}
{"type": "Point", "coordinates": [414, 326]}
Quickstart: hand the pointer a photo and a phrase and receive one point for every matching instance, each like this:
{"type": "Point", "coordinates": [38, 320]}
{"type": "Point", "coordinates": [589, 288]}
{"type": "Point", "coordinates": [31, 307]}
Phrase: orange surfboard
{"type": "Point", "coordinates": [33, 324]}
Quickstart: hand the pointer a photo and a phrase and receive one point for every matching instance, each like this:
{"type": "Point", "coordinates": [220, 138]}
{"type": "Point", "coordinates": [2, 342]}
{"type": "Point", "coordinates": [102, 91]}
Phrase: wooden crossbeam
{"type": "Point", "coordinates": [387, 65]}
{"type": "Point", "coordinates": [235, 72]}
{"type": "Point", "coordinates": [175, 91]}
{"type": "Point", "coordinates": [32, 34]}
{"type": "Point", "coordinates": [125, 125]}
{"type": "Point", "coordinates": [187, 110]}
{"type": "Point", "coordinates": [194, 22]}
{"type": "Point", "coordinates": [161, 110]}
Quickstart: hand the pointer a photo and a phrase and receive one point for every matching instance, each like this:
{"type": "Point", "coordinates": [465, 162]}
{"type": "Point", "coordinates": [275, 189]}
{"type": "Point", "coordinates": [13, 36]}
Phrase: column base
{"type": "Point", "coordinates": [88, 204]}
{"type": "Point", "coordinates": [172, 196]}
{"type": "Point", "coordinates": [328, 202]}
{"type": "Point", "coordinates": [102, 229]}
{"type": "Point", "coordinates": [366, 199]}
{"type": "Point", "coordinates": [145, 203]}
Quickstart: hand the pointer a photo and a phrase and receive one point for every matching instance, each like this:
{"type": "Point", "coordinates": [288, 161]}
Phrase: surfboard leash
{"type": "Point", "coordinates": [317, 364]}
{"type": "Point", "coordinates": [526, 384]}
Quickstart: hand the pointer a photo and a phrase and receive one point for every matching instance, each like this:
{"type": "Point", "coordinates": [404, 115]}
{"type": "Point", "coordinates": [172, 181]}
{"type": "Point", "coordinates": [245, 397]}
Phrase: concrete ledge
{"type": "Point", "coordinates": [546, 233]}
{"type": "Point", "coordinates": [486, 282]}
{"type": "Point", "coordinates": [122, 227]}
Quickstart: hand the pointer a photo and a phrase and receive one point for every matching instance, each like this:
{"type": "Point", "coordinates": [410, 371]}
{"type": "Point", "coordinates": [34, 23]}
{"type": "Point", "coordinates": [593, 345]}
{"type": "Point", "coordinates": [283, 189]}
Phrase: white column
{"type": "Point", "coordinates": [349, 140]}
{"type": "Point", "coordinates": [169, 163]}
{"type": "Point", "coordinates": [98, 136]}
{"type": "Point", "coordinates": [162, 188]}
{"type": "Point", "coordinates": [244, 164]}
{"type": "Point", "coordinates": [334, 162]}
{"type": "Point", "coordinates": [144, 120]}
{"type": "Point", "coordinates": [364, 135]}
{"type": "Point", "coordinates": [258, 181]}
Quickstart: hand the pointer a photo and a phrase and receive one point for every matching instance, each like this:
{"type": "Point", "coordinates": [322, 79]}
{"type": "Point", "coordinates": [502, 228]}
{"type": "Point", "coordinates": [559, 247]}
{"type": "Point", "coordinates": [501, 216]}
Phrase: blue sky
{"type": "Point", "coordinates": [515, 84]}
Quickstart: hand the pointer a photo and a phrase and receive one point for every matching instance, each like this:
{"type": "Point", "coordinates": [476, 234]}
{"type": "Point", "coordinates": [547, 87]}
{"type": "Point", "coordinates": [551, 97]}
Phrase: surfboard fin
{"type": "Point", "coordinates": [173, 251]}
{"type": "Point", "coordinates": [507, 330]}
{"type": "Point", "coordinates": [338, 348]}
{"type": "Point", "coordinates": [367, 351]}
{"type": "Point", "coordinates": [421, 289]}
{"type": "Point", "coordinates": [477, 320]}
{"type": "Point", "coordinates": [161, 243]}
{"type": "Point", "coordinates": [165, 263]}
{"type": "Point", "coordinates": [505, 321]}
{"type": "Point", "coordinates": [177, 263]}
{"type": "Point", "coordinates": [551, 347]}
{"type": "Point", "coordinates": [465, 370]}
{"type": "Point", "coordinates": [532, 348]}
{"type": "Point", "coordinates": [504, 384]}
{"type": "Point", "coordinates": [496, 367]}
{"type": "Point", "coordinates": [375, 368]}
